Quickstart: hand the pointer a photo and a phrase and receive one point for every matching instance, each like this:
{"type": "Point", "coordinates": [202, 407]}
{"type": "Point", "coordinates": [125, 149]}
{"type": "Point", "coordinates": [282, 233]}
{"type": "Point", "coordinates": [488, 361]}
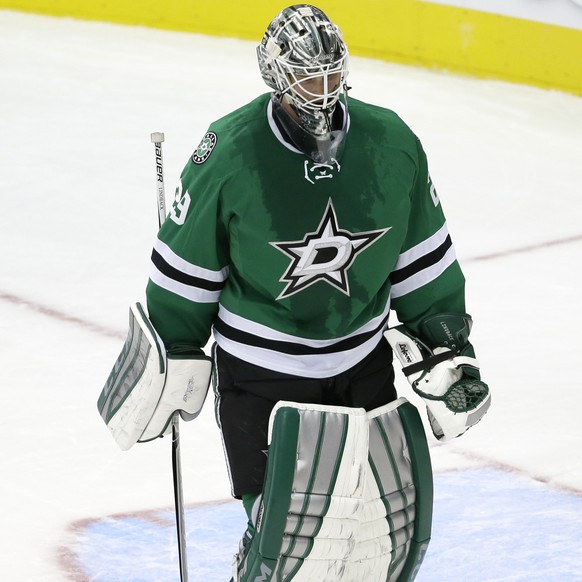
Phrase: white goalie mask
{"type": "Point", "coordinates": [304, 59]}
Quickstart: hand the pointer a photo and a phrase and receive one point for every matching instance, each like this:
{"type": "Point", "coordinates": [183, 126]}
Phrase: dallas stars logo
{"type": "Point", "coordinates": [324, 255]}
{"type": "Point", "coordinates": [205, 147]}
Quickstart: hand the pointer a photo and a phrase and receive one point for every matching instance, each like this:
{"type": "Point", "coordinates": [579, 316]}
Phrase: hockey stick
{"type": "Point", "coordinates": [157, 139]}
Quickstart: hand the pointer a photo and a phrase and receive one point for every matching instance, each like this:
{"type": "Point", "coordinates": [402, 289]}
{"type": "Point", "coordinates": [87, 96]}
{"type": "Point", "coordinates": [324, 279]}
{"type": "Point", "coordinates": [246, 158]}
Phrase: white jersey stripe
{"type": "Point", "coordinates": [423, 248]}
{"type": "Point", "coordinates": [187, 291]}
{"type": "Point", "coordinates": [187, 268]}
{"type": "Point", "coordinates": [257, 329]}
{"type": "Point", "coordinates": [306, 366]}
{"type": "Point", "coordinates": [421, 278]}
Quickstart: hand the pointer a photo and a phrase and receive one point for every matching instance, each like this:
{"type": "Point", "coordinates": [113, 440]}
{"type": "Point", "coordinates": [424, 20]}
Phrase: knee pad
{"type": "Point", "coordinates": [347, 496]}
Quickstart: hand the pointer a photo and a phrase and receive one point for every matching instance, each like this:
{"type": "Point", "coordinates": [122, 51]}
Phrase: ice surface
{"type": "Point", "coordinates": [513, 528]}
{"type": "Point", "coordinates": [78, 102]}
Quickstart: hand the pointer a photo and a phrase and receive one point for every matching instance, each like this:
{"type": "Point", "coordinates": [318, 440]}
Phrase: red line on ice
{"type": "Point", "coordinates": [67, 555]}
{"type": "Point", "coordinates": [108, 332]}
{"type": "Point", "coordinates": [60, 315]}
{"type": "Point", "coordinates": [525, 249]}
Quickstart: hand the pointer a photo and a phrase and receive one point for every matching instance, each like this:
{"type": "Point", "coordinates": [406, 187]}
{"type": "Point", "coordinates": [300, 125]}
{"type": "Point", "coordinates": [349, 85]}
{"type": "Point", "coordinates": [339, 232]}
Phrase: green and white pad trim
{"type": "Point", "coordinates": [347, 496]}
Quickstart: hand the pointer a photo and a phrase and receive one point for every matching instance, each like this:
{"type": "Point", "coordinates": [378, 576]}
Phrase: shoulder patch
{"type": "Point", "coordinates": [204, 149]}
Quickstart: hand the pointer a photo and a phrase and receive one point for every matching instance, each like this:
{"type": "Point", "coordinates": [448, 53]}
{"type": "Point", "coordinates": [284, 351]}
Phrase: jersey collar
{"type": "Point", "coordinates": [282, 137]}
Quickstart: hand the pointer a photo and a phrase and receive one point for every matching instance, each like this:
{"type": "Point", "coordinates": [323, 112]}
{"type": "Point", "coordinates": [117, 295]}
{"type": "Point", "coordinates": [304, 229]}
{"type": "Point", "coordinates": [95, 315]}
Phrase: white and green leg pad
{"type": "Point", "coordinates": [347, 496]}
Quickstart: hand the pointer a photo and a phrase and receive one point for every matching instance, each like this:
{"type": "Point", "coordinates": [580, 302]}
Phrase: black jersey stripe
{"type": "Point", "coordinates": [428, 260]}
{"type": "Point", "coordinates": [192, 281]}
{"type": "Point", "coordinates": [294, 348]}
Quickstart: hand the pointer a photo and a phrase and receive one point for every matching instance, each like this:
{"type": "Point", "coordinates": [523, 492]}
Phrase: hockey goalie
{"type": "Point", "coordinates": [301, 220]}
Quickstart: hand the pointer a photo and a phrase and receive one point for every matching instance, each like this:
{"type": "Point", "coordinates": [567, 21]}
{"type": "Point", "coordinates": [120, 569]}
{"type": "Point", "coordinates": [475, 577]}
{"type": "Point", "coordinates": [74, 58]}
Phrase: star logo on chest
{"type": "Point", "coordinates": [324, 255]}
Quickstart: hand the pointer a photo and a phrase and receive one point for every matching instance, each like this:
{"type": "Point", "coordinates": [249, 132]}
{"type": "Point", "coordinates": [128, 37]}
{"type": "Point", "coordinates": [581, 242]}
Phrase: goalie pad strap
{"type": "Point", "coordinates": [428, 363]}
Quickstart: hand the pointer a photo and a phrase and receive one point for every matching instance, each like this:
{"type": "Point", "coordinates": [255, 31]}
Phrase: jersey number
{"type": "Point", "coordinates": [180, 206]}
{"type": "Point", "coordinates": [433, 192]}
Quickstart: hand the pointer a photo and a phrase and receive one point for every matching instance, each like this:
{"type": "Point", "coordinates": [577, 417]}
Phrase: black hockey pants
{"type": "Point", "coordinates": [246, 395]}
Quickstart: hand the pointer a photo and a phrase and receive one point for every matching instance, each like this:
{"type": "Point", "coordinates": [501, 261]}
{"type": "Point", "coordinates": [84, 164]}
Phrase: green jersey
{"type": "Point", "coordinates": [294, 265]}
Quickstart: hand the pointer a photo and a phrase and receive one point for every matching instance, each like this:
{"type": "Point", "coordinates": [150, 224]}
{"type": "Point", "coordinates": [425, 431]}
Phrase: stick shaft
{"type": "Point", "coordinates": [157, 139]}
{"type": "Point", "coordinates": [179, 497]}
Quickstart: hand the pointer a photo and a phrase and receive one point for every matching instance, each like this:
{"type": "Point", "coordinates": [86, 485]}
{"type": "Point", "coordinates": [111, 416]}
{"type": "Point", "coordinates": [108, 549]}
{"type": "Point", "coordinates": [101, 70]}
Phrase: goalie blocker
{"type": "Point", "coordinates": [444, 372]}
{"type": "Point", "coordinates": [147, 385]}
{"type": "Point", "coordinates": [347, 496]}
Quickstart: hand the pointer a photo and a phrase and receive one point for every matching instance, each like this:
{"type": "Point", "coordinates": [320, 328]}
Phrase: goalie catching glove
{"type": "Point", "coordinates": [147, 385]}
{"type": "Point", "coordinates": [443, 371]}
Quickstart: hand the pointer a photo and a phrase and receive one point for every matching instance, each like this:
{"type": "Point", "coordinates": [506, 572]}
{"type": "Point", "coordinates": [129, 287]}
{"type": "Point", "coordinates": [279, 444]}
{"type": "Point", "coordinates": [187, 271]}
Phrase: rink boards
{"type": "Point", "coordinates": [522, 41]}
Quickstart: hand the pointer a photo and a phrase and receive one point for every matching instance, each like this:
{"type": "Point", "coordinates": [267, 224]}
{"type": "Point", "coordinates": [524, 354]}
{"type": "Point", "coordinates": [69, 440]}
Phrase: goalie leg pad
{"type": "Point", "coordinates": [347, 496]}
{"type": "Point", "coordinates": [308, 517]}
{"type": "Point", "coordinates": [145, 387]}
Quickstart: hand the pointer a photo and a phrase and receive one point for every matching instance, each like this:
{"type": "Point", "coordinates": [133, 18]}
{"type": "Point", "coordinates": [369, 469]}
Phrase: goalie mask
{"type": "Point", "coordinates": [304, 59]}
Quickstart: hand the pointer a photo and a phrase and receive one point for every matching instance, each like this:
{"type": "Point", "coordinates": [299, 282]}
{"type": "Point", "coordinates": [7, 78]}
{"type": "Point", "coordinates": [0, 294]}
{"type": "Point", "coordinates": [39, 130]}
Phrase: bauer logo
{"type": "Point", "coordinates": [204, 149]}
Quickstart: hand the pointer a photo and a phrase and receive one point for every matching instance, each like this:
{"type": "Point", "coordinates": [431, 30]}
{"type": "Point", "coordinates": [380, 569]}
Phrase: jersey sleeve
{"type": "Point", "coordinates": [427, 278]}
{"type": "Point", "coordinates": [190, 262]}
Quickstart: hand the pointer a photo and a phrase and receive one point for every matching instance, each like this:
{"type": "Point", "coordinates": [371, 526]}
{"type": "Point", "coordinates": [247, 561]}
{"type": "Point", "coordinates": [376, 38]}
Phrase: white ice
{"type": "Point", "coordinates": [78, 101]}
